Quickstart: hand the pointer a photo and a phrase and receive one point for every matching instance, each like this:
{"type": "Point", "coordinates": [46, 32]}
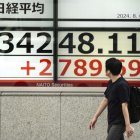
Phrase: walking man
{"type": "Point", "coordinates": [116, 100]}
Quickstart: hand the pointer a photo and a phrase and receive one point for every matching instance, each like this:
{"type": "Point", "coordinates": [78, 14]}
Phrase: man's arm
{"type": "Point", "coordinates": [129, 128]}
{"type": "Point", "coordinates": [100, 109]}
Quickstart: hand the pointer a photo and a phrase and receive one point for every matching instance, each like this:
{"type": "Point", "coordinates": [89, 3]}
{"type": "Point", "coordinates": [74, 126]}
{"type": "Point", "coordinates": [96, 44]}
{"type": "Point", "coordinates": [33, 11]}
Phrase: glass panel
{"type": "Point", "coordinates": [98, 9]}
{"type": "Point", "coordinates": [26, 58]}
{"type": "Point", "coordinates": [97, 24]}
{"type": "Point", "coordinates": [99, 13]}
{"type": "Point", "coordinates": [26, 13]}
{"type": "Point", "coordinates": [82, 55]}
{"type": "Point", "coordinates": [26, 43]}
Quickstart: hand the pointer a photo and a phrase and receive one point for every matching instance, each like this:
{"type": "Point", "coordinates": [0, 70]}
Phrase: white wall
{"type": "Point", "coordinates": [54, 114]}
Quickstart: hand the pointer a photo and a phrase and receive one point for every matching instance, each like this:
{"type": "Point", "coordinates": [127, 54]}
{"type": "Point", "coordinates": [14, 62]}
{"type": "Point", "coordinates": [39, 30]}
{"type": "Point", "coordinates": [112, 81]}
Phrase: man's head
{"type": "Point", "coordinates": [113, 66]}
